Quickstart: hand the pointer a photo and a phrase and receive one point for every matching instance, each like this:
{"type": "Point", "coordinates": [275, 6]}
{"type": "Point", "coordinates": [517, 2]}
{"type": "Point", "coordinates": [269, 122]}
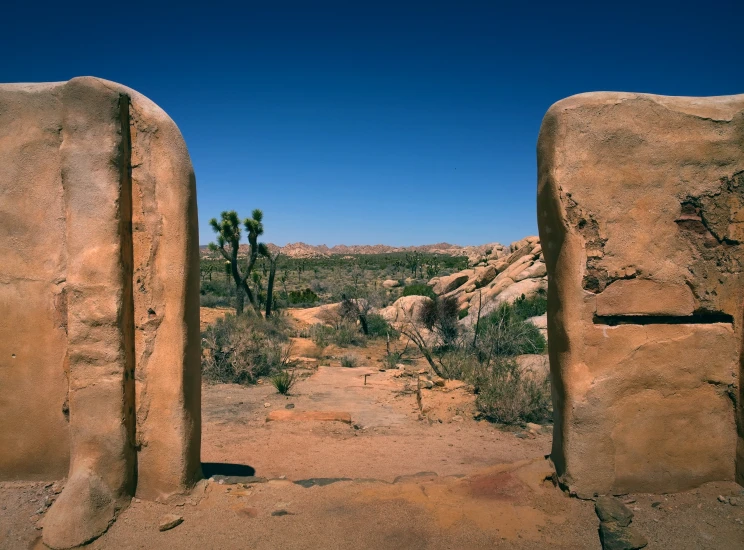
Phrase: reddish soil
{"type": "Point", "coordinates": [392, 478]}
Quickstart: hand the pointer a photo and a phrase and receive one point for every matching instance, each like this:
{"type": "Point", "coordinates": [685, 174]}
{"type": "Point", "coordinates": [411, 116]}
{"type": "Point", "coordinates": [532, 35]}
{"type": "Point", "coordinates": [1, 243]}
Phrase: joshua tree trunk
{"type": "Point", "coordinates": [239, 300]}
{"type": "Point", "coordinates": [253, 241]}
{"type": "Point", "coordinates": [251, 297]}
{"type": "Point", "coordinates": [363, 322]}
{"type": "Point", "coordinates": [270, 284]}
{"type": "Point", "coordinates": [241, 284]}
{"type": "Point", "coordinates": [233, 259]}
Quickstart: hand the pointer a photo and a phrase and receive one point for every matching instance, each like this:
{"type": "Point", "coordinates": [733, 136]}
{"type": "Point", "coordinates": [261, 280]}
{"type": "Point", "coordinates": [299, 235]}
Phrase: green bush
{"type": "Point", "coordinates": [462, 314]}
{"type": "Point", "coordinates": [283, 381]}
{"type": "Point", "coordinates": [524, 308]}
{"type": "Point", "coordinates": [216, 293]}
{"type": "Point", "coordinates": [504, 333]}
{"type": "Point", "coordinates": [346, 334]}
{"type": "Point", "coordinates": [304, 297]}
{"type": "Point", "coordinates": [459, 364]}
{"type": "Point", "coordinates": [419, 289]}
{"type": "Point", "coordinates": [378, 327]}
{"type": "Point", "coordinates": [509, 396]}
{"type": "Point", "coordinates": [391, 359]}
{"type": "Point", "coordinates": [240, 349]}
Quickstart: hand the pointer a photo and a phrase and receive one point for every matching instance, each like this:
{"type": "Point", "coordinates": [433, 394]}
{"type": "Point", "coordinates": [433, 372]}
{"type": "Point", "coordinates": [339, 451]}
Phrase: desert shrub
{"type": "Point", "coordinates": [321, 335]}
{"type": "Point", "coordinates": [440, 316]}
{"type": "Point", "coordinates": [349, 361]}
{"type": "Point", "coordinates": [216, 293]}
{"type": "Point", "coordinates": [280, 302]}
{"type": "Point", "coordinates": [524, 308]}
{"type": "Point", "coordinates": [346, 334]}
{"type": "Point", "coordinates": [462, 313]}
{"type": "Point", "coordinates": [509, 396]}
{"type": "Point", "coordinates": [318, 286]}
{"type": "Point", "coordinates": [276, 327]}
{"type": "Point", "coordinates": [391, 359]}
{"type": "Point", "coordinates": [283, 381]}
{"type": "Point", "coordinates": [302, 298]}
{"type": "Point", "coordinates": [343, 334]}
{"type": "Point", "coordinates": [459, 364]}
{"type": "Point", "coordinates": [378, 327]}
{"type": "Point", "coordinates": [350, 309]}
{"type": "Point", "coordinates": [395, 355]}
{"type": "Point", "coordinates": [419, 289]}
{"type": "Point", "coordinates": [504, 333]}
{"type": "Point", "coordinates": [213, 300]}
{"type": "Point", "coordinates": [239, 349]}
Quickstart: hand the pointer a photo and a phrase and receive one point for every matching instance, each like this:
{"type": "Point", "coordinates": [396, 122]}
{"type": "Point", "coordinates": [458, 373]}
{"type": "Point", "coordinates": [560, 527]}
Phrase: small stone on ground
{"type": "Point", "coordinates": [616, 537]}
{"type": "Point", "coordinates": [169, 521]}
{"type": "Point", "coordinates": [611, 509]}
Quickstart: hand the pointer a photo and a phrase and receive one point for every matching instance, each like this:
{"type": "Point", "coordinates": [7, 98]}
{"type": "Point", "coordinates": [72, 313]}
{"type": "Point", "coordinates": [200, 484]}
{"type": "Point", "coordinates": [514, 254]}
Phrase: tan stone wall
{"type": "Point", "coordinates": [34, 434]}
{"type": "Point", "coordinates": [99, 327]}
{"type": "Point", "coordinates": [640, 210]}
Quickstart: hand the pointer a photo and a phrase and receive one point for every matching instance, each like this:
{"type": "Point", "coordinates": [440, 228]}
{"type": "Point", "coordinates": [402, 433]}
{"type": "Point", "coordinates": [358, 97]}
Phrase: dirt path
{"type": "Point", "coordinates": [209, 315]}
{"type": "Point", "coordinates": [386, 439]}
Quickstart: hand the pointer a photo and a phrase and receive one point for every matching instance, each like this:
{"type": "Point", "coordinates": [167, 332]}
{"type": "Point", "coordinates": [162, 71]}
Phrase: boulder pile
{"type": "Point", "coordinates": [517, 270]}
{"type": "Point", "coordinates": [505, 275]}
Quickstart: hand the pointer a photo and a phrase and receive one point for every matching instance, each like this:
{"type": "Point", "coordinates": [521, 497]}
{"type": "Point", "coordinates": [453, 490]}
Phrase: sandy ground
{"type": "Point", "coordinates": [391, 478]}
{"type": "Point", "coordinates": [209, 315]}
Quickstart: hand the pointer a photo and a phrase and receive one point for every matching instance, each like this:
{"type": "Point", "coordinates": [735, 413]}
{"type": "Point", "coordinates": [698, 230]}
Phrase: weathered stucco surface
{"type": "Point", "coordinates": [641, 217]}
{"type": "Point", "coordinates": [34, 435]}
{"type": "Point", "coordinates": [99, 319]}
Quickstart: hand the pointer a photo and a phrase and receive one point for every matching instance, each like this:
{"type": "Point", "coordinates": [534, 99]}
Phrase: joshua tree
{"type": "Point", "coordinates": [356, 274]}
{"type": "Point", "coordinates": [284, 279]}
{"type": "Point", "coordinates": [258, 281]}
{"type": "Point", "coordinates": [270, 285]}
{"type": "Point", "coordinates": [228, 242]}
{"type": "Point", "coordinates": [206, 270]}
{"type": "Point", "coordinates": [432, 268]}
{"type": "Point", "coordinates": [414, 262]}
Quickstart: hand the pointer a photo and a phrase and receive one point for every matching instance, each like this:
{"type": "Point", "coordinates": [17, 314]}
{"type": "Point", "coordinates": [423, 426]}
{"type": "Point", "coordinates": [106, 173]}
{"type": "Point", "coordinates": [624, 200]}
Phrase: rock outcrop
{"type": "Point", "coordinates": [516, 270]}
{"type": "Point", "coordinates": [99, 298]}
{"type": "Point", "coordinates": [405, 309]}
{"type": "Point", "coordinates": [641, 216]}
{"type": "Point", "coordinates": [390, 283]}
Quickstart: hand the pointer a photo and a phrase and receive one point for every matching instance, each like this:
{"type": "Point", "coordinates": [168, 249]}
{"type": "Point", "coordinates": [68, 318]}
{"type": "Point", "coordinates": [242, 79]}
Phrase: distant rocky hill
{"type": "Point", "coordinates": [303, 250]}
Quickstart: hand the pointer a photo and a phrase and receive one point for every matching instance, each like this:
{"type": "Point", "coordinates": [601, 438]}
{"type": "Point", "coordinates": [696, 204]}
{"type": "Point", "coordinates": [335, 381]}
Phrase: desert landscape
{"type": "Point", "coordinates": [370, 446]}
{"type": "Point", "coordinates": [390, 464]}
{"type": "Point", "coordinates": [372, 275]}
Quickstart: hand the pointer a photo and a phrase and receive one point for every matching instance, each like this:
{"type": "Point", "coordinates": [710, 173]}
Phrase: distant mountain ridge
{"type": "Point", "coordinates": [304, 250]}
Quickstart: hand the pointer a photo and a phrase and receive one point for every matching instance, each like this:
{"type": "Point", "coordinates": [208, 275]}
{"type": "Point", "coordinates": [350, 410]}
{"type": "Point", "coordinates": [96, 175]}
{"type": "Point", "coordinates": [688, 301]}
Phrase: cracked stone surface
{"type": "Point", "coordinates": [640, 211]}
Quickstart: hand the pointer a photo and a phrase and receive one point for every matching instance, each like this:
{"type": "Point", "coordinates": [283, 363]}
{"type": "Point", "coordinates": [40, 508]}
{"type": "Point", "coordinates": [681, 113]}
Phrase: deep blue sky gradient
{"type": "Point", "coordinates": [363, 122]}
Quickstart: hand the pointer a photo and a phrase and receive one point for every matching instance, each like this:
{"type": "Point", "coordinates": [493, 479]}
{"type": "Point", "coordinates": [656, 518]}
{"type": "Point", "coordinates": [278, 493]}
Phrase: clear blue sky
{"type": "Point", "coordinates": [363, 122]}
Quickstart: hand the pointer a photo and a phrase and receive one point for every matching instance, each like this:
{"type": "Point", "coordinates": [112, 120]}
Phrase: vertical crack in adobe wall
{"type": "Point", "coordinates": [127, 262]}
{"type": "Point", "coordinates": [60, 298]}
